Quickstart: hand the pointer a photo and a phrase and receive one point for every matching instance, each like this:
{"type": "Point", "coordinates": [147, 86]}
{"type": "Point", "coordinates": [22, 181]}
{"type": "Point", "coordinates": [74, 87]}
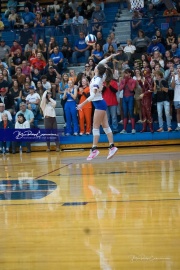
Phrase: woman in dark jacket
{"type": "Point", "coordinates": [5, 124]}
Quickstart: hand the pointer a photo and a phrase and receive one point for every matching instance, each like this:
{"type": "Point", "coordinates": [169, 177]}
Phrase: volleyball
{"type": "Point", "coordinates": [90, 39]}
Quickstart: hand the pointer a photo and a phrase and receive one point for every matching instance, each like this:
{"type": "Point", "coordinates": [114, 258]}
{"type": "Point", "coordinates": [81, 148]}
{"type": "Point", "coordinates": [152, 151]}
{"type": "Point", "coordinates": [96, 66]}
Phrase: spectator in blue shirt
{"type": "Point", "coordinates": [28, 17]}
{"type": "Point", "coordinates": [58, 59]}
{"type": "Point", "coordinates": [80, 49]}
{"type": "Point", "coordinates": [39, 25]}
{"type": "Point", "coordinates": [156, 46]}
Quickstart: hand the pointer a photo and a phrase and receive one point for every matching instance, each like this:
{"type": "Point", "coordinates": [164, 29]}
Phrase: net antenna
{"type": "Point", "coordinates": [137, 4]}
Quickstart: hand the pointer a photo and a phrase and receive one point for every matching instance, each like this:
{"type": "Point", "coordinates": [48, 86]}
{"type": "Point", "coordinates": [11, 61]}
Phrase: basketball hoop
{"type": "Point", "coordinates": [137, 4]}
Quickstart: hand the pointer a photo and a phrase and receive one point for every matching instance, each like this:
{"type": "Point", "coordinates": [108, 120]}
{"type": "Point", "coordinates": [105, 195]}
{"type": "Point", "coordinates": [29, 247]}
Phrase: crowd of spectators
{"type": "Point", "coordinates": [143, 67]}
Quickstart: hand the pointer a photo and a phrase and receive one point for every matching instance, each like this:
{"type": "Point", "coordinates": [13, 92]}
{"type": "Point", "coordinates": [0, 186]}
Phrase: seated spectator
{"type": "Point", "coordinates": [66, 49]}
{"type": "Point", "coordinates": [39, 23]}
{"type": "Point", "coordinates": [35, 76]}
{"type": "Point", "coordinates": [113, 38]}
{"type": "Point", "coordinates": [45, 15]}
{"type": "Point", "coordinates": [3, 65]}
{"type": "Point", "coordinates": [66, 9]}
{"type": "Point", "coordinates": [74, 5]}
{"type": "Point", "coordinates": [37, 8]}
{"type": "Point", "coordinates": [87, 8]}
{"type": "Point", "coordinates": [170, 12]}
{"type": "Point", "coordinates": [160, 37]}
{"type": "Point", "coordinates": [129, 49]}
{"type": "Point", "coordinates": [58, 59]}
{"type": "Point", "coordinates": [25, 91]}
{"type": "Point", "coordinates": [80, 49]}
{"type": "Point", "coordinates": [156, 46]}
{"type": "Point", "coordinates": [22, 123]}
{"type": "Point", "coordinates": [54, 8]}
{"type": "Point", "coordinates": [19, 22]}
{"type": "Point", "coordinates": [17, 60]}
{"type": "Point", "coordinates": [52, 44]}
{"type": "Point", "coordinates": [98, 14]}
{"type": "Point", "coordinates": [7, 99]}
{"type": "Point", "coordinates": [176, 60]}
{"type": "Point", "coordinates": [45, 83]}
{"type": "Point", "coordinates": [12, 18]}
{"type": "Point", "coordinates": [136, 21]}
{"type": "Point", "coordinates": [97, 53]}
{"type": "Point", "coordinates": [40, 89]}
{"type": "Point", "coordinates": [33, 100]}
{"type": "Point", "coordinates": [111, 49]}
{"type": "Point", "coordinates": [96, 27]}
{"type": "Point", "coordinates": [1, 26]}
{"type": "Point", "coordinates": [67, 24]}
{"type": "Point", "coordinates": [30, 46]}
{"type": "Point", "coordinates": [26, 70]}
{"type": "Point", "coordinates": [91, 63]}
{"type": "Point", "coordinates": [170, 38]}
{"type": "Point", "coordinates": [21, 78]}
{"type": "Point", "coordinates": [56, 21]}
{"type": "Point", "coordinates": [25, 34]}
{"type": "Point", "coordinates": [120, 61]}
{"type": "Point", "coordinates": [42, 48]}
{"type": "Point", "coordinates": [28, 17]}
{"type": "Point", "coordinates": [30, 81]}
{"type": "Point", "coordinates": [100, 39]}
{"type": "Point", "coordinates": [168, 58]}
{"type": "Point", "coordinates": [151, 12]}
{"type": "Point", "coordinates": [7, 76]}
{"type": "Point", "coordinates": [77, 23]}
{"type": "Point", "coordinates": [50, 63]}
{"type": "Point", "coordinates": [39, 62]}
{"type": "Point", "coordinates": [3, 111]}
{"type": "Point", "coordinates": [175, 50]}
{"type": "Point", "coordinates": [72, 75]}
{"type": "Point", "coordinates": [4, 51]}
{"type": "Point", "coordinates": [141, 42]}
{"type": "Point", "coordinates": [11, 4]}
{"type": "Point", "coordinates": [16, 46]}
{"type": "Point", "coordinates": [158, 57]}
{"type": "Point", "coordinates": [29, 4]}
{"type": "Point", "coordinates": [16, 92]}
{"type": "Point", "coordinates": [106, 45]}
{"type": "Point", "coordinates": [3, 82]}
{"type": "Point", "coordinates": [5, 124]}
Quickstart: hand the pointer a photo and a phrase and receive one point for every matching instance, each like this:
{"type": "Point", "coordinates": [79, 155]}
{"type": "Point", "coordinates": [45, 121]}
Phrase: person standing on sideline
{"type": "Point", "coordinates": [175, 84]}
{"type": "Point", "coordinates": [48, 108]}
{"type": "Point", "coordinates": [100, 114]}
{"type": "Point", "coordinates": [162, 96]}
{"type": "Point", "coordinates": [128, 85]}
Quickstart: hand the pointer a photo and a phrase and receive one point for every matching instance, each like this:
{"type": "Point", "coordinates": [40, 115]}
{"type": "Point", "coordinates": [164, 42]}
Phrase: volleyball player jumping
{"type": "Point", "coordinates": [100, 115]}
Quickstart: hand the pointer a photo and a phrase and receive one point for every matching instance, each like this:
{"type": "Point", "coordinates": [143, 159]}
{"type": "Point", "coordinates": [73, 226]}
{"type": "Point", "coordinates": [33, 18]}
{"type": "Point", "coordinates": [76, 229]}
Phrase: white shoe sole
{"type": "Point", "coordinates": [90, 158]}
{"type": "Point", "coordinates": [109, 157]}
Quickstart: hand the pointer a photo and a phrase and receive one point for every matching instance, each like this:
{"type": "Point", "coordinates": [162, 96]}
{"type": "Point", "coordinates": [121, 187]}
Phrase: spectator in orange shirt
{"type": "Point", "coordinates": [85, 114]}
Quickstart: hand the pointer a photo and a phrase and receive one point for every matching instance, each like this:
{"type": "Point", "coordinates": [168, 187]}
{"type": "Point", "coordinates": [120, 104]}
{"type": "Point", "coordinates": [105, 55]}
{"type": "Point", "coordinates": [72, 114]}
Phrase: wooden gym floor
{"type": "Point", "coordinates": [60, 212]}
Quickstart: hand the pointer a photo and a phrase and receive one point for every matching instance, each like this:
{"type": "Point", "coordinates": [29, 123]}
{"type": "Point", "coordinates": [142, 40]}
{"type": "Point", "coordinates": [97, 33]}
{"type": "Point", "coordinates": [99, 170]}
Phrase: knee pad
{"type": "Point", "coordinates": [107, 130]}
{"type": "Point", "coordinates": [96, 132]}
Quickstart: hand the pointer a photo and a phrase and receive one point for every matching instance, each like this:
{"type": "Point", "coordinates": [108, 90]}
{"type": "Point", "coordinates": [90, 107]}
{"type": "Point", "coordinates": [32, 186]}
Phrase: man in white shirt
{"type": "Point", "coordinates": [77, 21]}
{"type": "Point", "coordinates": [2, 110]}
{"type": "Point", "coordinates": [33, 100]}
